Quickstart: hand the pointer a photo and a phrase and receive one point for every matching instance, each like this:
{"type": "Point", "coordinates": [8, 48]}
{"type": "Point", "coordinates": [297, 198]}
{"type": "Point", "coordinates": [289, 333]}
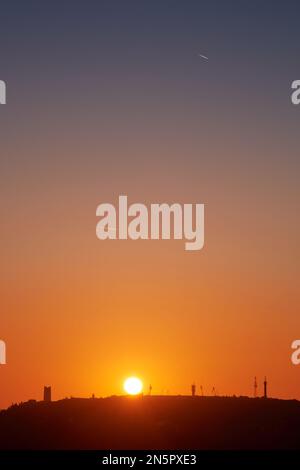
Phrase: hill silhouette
{"type": "Point", "coordinates": [152, 422]}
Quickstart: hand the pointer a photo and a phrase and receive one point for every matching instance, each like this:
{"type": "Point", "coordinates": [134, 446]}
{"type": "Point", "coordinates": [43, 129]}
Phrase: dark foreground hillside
{"type": "Point", "coordinates": [152, 423]}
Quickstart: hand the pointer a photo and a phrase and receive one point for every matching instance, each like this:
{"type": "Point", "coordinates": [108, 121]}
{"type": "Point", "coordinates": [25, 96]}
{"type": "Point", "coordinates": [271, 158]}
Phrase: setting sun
{"type": "Point", "coordinates": [133, 386]}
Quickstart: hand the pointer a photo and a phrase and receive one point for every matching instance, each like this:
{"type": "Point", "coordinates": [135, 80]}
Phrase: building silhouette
{"type": "Point", "coordinates": [193, 387]}
{"type": "Point", "coordinates": [47, 394]}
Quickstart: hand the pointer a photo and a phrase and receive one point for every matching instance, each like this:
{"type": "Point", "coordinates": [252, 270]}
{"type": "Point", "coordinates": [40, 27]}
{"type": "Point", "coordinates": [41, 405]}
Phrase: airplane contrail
{"type": "Point", "coordinates": [203, 56]}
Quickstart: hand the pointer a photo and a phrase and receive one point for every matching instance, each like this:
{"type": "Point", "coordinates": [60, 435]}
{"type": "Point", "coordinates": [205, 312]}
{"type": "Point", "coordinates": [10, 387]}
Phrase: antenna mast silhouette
{"type": "Point", "coordinates": [255, 388]}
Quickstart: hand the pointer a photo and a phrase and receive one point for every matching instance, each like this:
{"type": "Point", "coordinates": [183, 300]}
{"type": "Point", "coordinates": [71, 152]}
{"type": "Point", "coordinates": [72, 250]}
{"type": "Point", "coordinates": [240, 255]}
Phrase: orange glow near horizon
{"type": "Point", "coordinates": [148, 120]}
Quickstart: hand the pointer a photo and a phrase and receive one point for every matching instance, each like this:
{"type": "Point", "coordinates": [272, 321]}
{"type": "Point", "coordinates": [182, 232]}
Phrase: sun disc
{"type": "Point", "coordinates": [133, 386]}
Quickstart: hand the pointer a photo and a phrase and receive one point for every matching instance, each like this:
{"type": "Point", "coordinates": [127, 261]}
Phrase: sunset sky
{"type": "Point", "coordinates": [110, 97]}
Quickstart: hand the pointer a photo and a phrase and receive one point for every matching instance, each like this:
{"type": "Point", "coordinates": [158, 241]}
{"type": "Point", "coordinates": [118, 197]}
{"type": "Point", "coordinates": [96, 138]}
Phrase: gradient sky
{"type": "Point", "coordinates": [110, 97]}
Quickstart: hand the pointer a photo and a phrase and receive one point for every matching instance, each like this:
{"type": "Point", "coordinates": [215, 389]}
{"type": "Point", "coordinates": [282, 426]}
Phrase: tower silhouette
{"type": "Point", "coordinates": [47, 394]}
{"type": "Point", "coordinates": [265, 388]}
{"type": "Point", "coordinates": [193, 390]}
